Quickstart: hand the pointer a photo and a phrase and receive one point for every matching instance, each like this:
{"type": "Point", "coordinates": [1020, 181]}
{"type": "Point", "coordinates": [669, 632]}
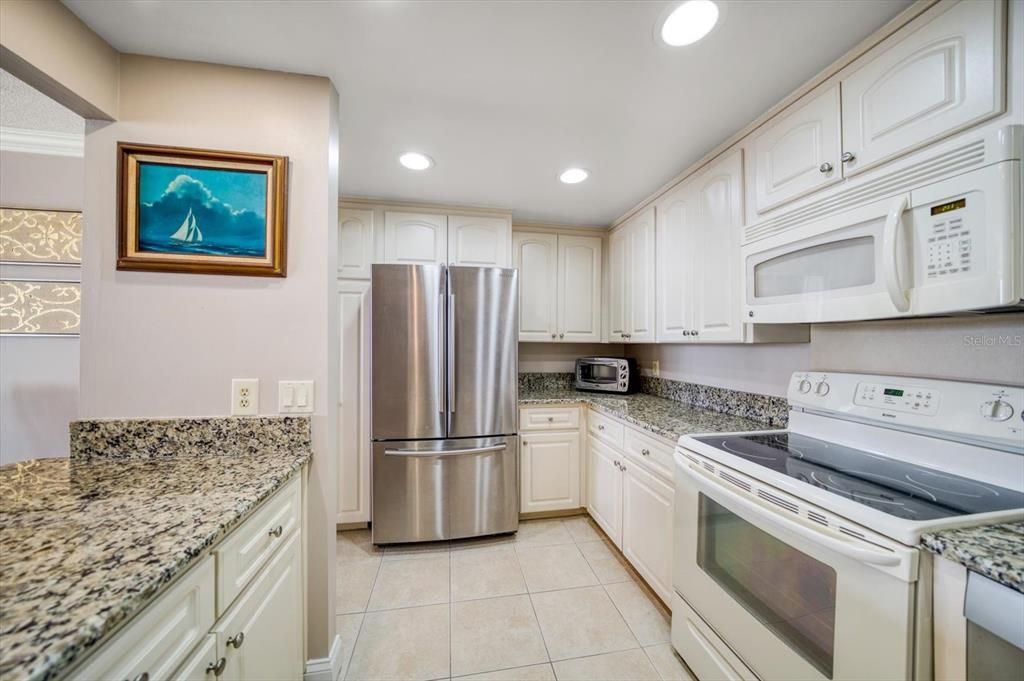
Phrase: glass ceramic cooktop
{"type": "Point", "coordinates": [898, 488]}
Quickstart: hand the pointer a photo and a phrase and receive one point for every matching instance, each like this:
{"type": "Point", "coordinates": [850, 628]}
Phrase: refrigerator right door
{"type": "Point", "coordinates": [408, 354]}
{"type": "Point", "coordinates": [483, 342]}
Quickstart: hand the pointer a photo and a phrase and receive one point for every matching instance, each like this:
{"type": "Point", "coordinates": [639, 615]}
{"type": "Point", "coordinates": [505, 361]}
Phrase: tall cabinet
{"type": "Point", "coordinates": [631, 283]}
{"type": "Point", "coordinates": [559, 287]}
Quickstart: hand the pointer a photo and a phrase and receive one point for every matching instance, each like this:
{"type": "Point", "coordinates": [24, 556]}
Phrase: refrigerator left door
{"type": "Point", "coordinates": [408, 352]}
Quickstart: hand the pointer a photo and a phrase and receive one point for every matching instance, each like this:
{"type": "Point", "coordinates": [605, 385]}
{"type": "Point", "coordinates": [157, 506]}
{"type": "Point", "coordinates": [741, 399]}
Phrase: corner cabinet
{"type": "Point", "coordinates": [426, 238]}
{"type": "Point", "coordinates": [631, 283]}
{"type": "Point", "coordinates": [559, 287]}
{"type": "Point", "coordinates": [238, 614]}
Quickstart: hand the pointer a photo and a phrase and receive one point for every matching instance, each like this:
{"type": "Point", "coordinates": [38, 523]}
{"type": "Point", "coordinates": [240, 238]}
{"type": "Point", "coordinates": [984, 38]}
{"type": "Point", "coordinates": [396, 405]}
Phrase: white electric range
{"type": "Point", "coordinates": [796, 551]}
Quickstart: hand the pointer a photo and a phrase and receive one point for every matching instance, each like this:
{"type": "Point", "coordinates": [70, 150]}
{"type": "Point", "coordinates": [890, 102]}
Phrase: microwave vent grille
{"type": "Point", "coordinates": [925, 171]}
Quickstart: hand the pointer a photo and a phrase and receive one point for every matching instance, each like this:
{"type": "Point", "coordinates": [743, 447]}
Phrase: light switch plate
{"type": "Point", "coordinates": [295, 397]}
{"type": "Point", "coordinates": [245, 396]}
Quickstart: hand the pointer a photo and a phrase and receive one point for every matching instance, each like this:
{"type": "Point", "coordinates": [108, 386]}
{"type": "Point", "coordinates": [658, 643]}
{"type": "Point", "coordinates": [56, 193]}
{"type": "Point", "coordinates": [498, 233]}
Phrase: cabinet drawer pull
{"type": "Point", "coordinates": [847, 157]}
{"type": "Point", "coordinates": [600, 427]}
{"type": "Point", "coordinates": [825, 167]}
{"type": "Point", "coordinates": [217, 667]}
{"type": "Point", "coordinates": [237, 640]}
{"type": "Point", "coordinates": [645, 452]}
{"type": "Point", "coordinates": [554, 335]}
{"type": "Point", "coordinates": [276, 532]}
{"type": "Point", "coordinates": [550, 419]}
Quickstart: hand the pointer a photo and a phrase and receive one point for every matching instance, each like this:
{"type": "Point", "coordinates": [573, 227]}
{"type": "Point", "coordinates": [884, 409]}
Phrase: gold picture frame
{"type": "Point", "coordinates": [201, 211]}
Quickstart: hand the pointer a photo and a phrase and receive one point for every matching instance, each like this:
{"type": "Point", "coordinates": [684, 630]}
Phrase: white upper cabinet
{"type": "Point", "coordinates": [355, 243]}
{"type": "Point", "coordinates": [479, 241]}
{"type": "Point", "coordinates": [717, 296]}
{"type": "Point", "coordinates": [579, 289]}
{"type": "Point", "coordinates": [535, 255]}
{"type": "Point", "coordinates": [632, 280]}
{"type": "Point", "coordinates": [677, 215]}
{"type": "Point", "coordinates": [415, 238]}
{"type": "Point", "coordinates": [559, 287]}
{"type": "Point", "coordinates": [798, 153]}
{"type": "Point", "coordinates": [912, 89]}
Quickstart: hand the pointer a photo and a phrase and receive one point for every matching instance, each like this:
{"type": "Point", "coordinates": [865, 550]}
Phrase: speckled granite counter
{"type": "Point", "coordinates": [996, 551]}
{"type": "Point", "coordinates": [86, 544]}
{"type": "Point", "coordinates": [661, 416]}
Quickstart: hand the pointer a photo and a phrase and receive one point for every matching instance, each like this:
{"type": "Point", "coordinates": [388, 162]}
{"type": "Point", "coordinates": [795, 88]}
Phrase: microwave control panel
{"type": "Point", "coordinates": [948, 237]}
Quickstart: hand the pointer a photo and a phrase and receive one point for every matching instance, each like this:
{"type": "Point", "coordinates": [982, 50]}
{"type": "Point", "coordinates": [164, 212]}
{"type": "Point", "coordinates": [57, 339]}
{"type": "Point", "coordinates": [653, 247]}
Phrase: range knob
{"type": "Point", "coordinates": [805, 386]}
{"type": "Point", "coordinates": [822, 389]}
{"type": "Point", "coordinates": [997, 410]}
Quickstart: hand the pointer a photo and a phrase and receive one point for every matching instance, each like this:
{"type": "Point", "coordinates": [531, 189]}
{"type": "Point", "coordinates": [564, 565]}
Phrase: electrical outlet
{"type": "Point", "coordinates": [295, 397]}
{"type": "Point", "coordinates": [245, 396]}
{"type": "Point", "coordinates": [655, 367]}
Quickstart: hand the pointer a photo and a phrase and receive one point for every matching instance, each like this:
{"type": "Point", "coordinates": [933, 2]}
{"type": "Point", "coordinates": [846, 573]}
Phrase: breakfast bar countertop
{"type": "Point", "coordinates": [995, 551]}
{"type": "Point", "coordinates": [86, 544]}
{"type": "Point", "coordinates": [667, 418]}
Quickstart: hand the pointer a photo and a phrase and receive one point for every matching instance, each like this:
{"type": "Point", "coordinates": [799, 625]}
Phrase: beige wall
{"type": "Point", "coordinates": [156, 344]}
{"type": "Point", "coordinates": [555, 357]}
{"type": "Point", "coordinates": [988, 348]}
{"type": "Point", "coordinates": [44, 44]}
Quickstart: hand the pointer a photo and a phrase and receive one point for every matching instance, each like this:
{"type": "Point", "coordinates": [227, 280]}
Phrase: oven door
{"type": "Point", "coordinates": [790, 598]}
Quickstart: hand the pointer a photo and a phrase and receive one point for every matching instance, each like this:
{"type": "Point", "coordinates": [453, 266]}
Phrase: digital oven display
{"type": "Point", "coordinates": [894, 392]}
{"type": "Point", "coordinates": [948, 206]}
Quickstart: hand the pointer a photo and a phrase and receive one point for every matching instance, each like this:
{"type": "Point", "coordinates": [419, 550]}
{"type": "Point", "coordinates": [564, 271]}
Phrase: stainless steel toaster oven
{"type": "Point", "coordinates": [607, 374]}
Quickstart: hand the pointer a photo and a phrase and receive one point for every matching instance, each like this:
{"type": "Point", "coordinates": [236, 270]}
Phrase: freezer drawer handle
{"type": "Point", "coordinates": [445, 452]}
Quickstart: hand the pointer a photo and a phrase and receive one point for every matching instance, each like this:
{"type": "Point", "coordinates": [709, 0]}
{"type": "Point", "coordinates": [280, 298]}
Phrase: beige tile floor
{"type": "Point", "coordinates": [555, 601]}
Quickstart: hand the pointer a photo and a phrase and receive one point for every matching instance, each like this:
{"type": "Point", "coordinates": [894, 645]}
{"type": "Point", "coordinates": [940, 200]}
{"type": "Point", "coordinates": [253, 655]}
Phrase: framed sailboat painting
{"type": "Point", "coordinates": [201, 211]}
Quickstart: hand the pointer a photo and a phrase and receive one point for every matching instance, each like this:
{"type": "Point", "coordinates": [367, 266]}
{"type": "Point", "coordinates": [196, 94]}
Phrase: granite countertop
{"type": "Point", "coordinates": [85, 545]}
{"type": "Point", "coordinates": [995, 551]}
{"type": "Point", "coordinates": [658, 415]}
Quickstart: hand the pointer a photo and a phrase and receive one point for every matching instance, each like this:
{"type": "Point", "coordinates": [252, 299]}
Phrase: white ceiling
{"type": "Point", "coordinates": [505, 95]}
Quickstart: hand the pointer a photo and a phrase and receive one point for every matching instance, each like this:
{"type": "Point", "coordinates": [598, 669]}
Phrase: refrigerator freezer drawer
{"type": "Point", "coordinates": [445, 489]}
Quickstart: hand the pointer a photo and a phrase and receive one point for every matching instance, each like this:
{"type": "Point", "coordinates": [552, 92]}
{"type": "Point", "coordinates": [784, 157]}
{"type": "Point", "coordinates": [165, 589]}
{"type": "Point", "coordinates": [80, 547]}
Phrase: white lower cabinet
{"type": "Point", "coordinates": [354, 403]}
{"type": "Point", "coordinates": [259, 635]}
{"type": "Point", "coordinates": [630, 498]}
{"type": "Point", "coordinates": [550, 470]}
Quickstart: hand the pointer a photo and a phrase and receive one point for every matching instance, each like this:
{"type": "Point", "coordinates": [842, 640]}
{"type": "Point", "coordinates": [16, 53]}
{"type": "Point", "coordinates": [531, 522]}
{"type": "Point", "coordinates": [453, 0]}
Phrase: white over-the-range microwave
{"type": "Point", "coordinates": [943, 246]}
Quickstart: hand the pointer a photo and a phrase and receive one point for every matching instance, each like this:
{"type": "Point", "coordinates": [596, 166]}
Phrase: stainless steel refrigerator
{"type": "Point", "coordinates": [444, 401]}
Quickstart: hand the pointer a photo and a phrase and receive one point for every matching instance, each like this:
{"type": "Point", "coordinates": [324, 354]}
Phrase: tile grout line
{"type": "Point", "coordinates": [362, 622]}
{"type": "Point", "coordinates": [533, 607]}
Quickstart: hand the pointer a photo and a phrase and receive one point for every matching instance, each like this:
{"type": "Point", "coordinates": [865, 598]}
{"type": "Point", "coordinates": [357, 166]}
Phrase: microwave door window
{"type": "Point", "coordinates": [791, 593]}
{"type": "Point", "coordinates": [830, 266]}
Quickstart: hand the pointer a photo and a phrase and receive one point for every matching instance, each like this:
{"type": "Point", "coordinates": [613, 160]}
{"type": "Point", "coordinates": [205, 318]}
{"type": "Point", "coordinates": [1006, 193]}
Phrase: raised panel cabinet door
{"type": "Point", "coordinates": [942, 77]}
{"type": "Point", "coordinates": [647, 527]}
{"type": "Point", "coordinates": [479, 241]}
{"type": "Point", "coordinates": [641, 278]}
{"type": "Point", "coordinates": [535, 255]}
{"type": "Point", "coordinates": [355, 243]}
{"type": "Point", "coordinates": [261, 635]}
{"type": "Point", "coordinates": [618, 258]}
{"type": "Point", "coordinates": [604, 489]}
{"type": "Point", "coordinates": [415, 238]}
{"type": "Point", "coordinates": [676, 214]}
{"type": "Point", "coordinates": [354, 403]}
{"type": "Point", "coordinates": [798, 153]}
{"type": "Point", "coordinates": [717, 295]}
{"type": "Point", "coordinates": [203, 664]}
{"type": "Point", "coordinates": [550, 472]}
{"type": "Point", "coordinates": [579, 289]}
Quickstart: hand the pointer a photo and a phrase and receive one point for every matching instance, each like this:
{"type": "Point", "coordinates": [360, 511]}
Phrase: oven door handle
{"type": "Point", "coordinates": [891, 254]}
{"type": "Point", "coordinates": [773, 519]}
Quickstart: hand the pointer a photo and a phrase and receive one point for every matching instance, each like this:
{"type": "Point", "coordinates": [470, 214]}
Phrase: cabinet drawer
{"type": "Point", "coordinates": [652, 452]}
{"type": "Point", "coordinates": [159, 639]}
{"type": "Point", "coordinates": [248, 548]}
{"type": "Point", "coordinates": [205, 656]}
{"type": "Point", "coordinates": [606, 428]}
{"type": "Point", "coordinates": [554, 418]}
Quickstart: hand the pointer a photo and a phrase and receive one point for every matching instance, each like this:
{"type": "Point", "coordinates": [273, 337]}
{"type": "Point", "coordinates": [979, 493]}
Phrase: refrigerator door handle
{"type": "Point", "coordinates": [445, 452]}
{"type": "Point", "coordinates": [451, 358]}
{"type": "Point", "coordinates": [440, 353]}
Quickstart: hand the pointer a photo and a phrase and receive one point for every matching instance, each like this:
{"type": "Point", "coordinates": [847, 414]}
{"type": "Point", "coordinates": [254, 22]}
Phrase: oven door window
{"type": "Point", "coordinates": [789, 592]}
{"type": "Point", "coordinates": [599, 373]}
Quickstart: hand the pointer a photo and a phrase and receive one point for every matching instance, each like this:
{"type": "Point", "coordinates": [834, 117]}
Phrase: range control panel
{"type": "Point", "coordinates": [972, 410]}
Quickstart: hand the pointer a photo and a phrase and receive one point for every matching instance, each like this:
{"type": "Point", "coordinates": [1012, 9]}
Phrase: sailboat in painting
{"type": "Point", "coordinates": [189, 231]}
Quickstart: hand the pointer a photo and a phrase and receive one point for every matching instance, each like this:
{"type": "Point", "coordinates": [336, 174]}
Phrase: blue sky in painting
{"type": "Point", "coordinates": [229, 207]}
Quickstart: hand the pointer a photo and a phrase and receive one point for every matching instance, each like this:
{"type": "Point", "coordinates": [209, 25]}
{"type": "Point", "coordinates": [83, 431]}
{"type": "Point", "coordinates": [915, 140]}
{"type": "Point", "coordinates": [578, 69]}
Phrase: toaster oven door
{"type": "Point", "coordinates": [598, 374]}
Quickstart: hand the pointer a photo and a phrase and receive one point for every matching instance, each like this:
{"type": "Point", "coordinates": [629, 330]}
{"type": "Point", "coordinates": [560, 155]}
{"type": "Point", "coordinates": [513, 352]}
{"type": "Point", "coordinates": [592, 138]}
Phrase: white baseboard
{"type": "Point", "coordinates": [325, 668]}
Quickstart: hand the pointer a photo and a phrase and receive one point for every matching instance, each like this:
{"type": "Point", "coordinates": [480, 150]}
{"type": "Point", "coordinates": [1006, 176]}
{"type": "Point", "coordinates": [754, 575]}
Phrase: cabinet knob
{"type": "Point", "coordinates": [622, 468]}
{"type": "Point", "coordinates": [561, 335]}
{"type": "Point", "coordinates": [276, 532]}
{"type": "Point", "coordinates": [645, 452]}
{"type": "Point", "coordinates": [600, 427]}
{"type": "Point", "coordinates": [217, 667]}
{"type": "Point", "coordinates": [825, 167]}
{"type": "Point", "coordinates": [550, 419]}
{"type": "Point", "coordinates": [237, 640]}
{"type": "Point", "coordinates": [554, 335]}
{"type": "Point", "coordinates": [847, 157]}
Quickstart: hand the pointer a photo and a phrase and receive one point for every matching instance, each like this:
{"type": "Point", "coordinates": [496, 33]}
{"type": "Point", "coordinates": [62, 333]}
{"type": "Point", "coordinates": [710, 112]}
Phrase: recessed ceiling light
{"type": "Point", "coordinates": [415, 161]}
{"type": "Point", "coordinates": [573, 175]}
{"type": "Point", "coordinates": [689, 22]}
